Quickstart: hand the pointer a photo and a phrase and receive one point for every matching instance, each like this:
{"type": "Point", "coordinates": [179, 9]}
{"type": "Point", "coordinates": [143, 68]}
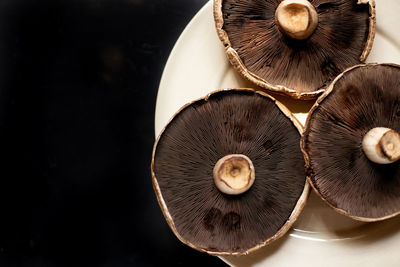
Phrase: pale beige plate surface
{"type": "Point", "coordinates": [198, 65]}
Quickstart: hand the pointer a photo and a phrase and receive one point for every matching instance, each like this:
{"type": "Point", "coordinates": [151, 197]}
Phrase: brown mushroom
{"type": "Point", "coordinates": [228, 172]}
{"type": "Point", "coordinates": [295, 47]}
{"type": "Point", "coordinates": [351, 143]}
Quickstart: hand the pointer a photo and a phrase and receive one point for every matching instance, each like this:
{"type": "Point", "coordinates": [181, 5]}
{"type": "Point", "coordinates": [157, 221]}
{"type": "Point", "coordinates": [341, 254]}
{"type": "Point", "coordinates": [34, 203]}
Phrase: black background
{"type": "Point", "coordinates": [78, 84]}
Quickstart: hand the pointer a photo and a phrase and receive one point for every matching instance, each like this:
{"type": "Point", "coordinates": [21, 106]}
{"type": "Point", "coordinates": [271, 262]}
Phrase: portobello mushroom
{"type": "Point", "coordinates": [228, 172]}
{"type": "Point", "coordinates": [351, 143]}
{"type": "Point", "coordinates": [295, 47]}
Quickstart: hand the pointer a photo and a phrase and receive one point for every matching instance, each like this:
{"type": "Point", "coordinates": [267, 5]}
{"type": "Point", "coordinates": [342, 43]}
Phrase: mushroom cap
{"type": "Point", "coordinates": [360, 99]}
{"type": "Point", "coordinates": [235, 121]}
{"type": "Point", "coordinates": [299, 68]}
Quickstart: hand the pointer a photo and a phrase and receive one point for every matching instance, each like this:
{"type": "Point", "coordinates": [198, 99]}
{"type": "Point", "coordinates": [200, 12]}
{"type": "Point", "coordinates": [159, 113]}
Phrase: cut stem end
{"type": "Point", "coordinates": [234, 174]}
{"type": "Point", "coordinates": [382, 145]}
{"type": "Point", "coordinates": [297, 19]}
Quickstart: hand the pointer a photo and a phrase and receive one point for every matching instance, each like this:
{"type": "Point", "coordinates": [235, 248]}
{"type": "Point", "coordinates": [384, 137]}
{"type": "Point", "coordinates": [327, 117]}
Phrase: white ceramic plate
{"type": "Point", "coordinates": [321, 237]}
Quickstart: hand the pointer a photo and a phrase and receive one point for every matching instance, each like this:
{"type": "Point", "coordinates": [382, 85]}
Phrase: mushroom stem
{"type": "Point", "coordinates": [234, 174]}
{"type": "Point", "coordinates": [297, 19]}
{"type": "Point", "coordinates": [382, 145]}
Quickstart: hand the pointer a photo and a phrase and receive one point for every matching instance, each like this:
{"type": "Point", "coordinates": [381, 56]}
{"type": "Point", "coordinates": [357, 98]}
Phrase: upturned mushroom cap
{"type": "Point", "coordinates": [295, 47]}
{"type": "Point", "coordinates": [243, 139]}
{"type": "Point", "coordinates": [351, 143]}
